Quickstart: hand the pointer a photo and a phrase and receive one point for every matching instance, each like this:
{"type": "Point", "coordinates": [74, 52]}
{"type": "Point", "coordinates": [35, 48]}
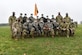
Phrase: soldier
{"type": "Point", "coordinates": [24, 18]}
{"type": "Point", "coordinates": [48, 28]}
{"type": "Point", "coordinates": [59, 18]}
{"type": "Point", "coordinates": [64, 28]}
{"type": "Point", "coordinates": [67, 18]}
{"type": "Point", "coordinates": [76, 24]}
{"type": "Point", "coordinates": [72, 28]}
{"type": "Point", "coordinates": [36, 26]}
{"type": "Point", "coordinates": [16, 27]}
{"type": "Point", "coordinates": [26, 31]}
{"type": "Point", "coordinates": [31, 29]}
{"type": "Point", "coordinates": [20, 18]}
{"type": "Point", "coordinates": [12, 19]}
{"type": "Point", "coordinates": [52, 19]}
{"type": "Point", "coordinates": [55, 27]}
{"type": "Point", "coordinates": [47, 17]}
{"type": "Point", "coordinates": [40, 26]}
{"type": "Point", "coordinates": [37, 18]}
{"type": "Point", "coordinates": [43, 18]}
{"type": "Point", "coordinates": [31, 18]}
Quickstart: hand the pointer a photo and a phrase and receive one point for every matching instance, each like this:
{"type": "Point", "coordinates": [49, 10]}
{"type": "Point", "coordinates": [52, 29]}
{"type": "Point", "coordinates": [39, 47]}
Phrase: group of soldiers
{"type": "Point", "coordinates": [23, 26]}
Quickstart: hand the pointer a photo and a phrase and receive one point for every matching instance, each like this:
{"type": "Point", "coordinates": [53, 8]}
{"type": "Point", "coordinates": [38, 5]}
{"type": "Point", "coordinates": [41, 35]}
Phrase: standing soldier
{"type": "Point", "coordinates": [25, 18]}
{"type": "Point", "coordinates": [37, 18]}
{"type": "Point", "coordinates": [47, 17]}
{"type": "Point", "coordinates": [43, 18]}
{"type": "Point", "coordinates": [31, 18]}
{"type": "Point", "coordinates": [59, 18]}
{"type": "Point", "coordinates": [67, 19]}
{"type": "Point", "coordinates": [12, 19]}
{"type": "Point", "coordinates": [20, 18]}
{"type": "Point", "coordinates": [52, 19]}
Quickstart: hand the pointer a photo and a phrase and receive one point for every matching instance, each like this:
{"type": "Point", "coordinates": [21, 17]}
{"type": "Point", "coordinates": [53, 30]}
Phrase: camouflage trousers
{"type": "Point", "coordinates": [25, 33]}
{"type": "Point", "coordinates": [71, 31]}
{"type": "Point", "coordinates": [16, 32]}
{"type": "Point", "coordinates": [49, 32]}
{"type": "Point", "coordinates": [11, 31]}
{"type": "Point", "coordinates": [64, 32]}
{"type": "Point", "coordinates": [32, 32]}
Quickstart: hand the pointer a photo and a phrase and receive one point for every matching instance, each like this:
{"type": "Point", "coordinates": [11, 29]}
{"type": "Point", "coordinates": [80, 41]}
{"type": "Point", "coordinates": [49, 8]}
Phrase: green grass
{"type": "Point", "coordinates": [41, 45]}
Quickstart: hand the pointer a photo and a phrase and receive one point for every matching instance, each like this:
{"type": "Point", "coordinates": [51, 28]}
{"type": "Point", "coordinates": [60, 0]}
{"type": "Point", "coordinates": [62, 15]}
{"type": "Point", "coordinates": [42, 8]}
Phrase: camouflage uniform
{"type": "Point", "coordinates": [43, 18]}
{"type": "Point", "coordinates": [16, 27]}
{"type": "Point", "coordinates": [59, 18]}
{"type": "Point", "coordinates": [72, 28]}
{"type": "Point", "coordinates": [76, 24]}
{"type": "Point", "coordinates": [56, 27]}
{"type": "Point", "coordinates": [65, 24]}
{"type": "Point", "coordinates": [26, 31]}
{"type": "Point", "coordinates": [40, 26]}
{"type": "Point", "coordinates": [20, 18]}
{"type": "Point", "coordinates": [31, 18]}
{"type": "Point", "coordinates": [49, 29]}
{"type": "Point", "coordinates": [31, 29]}
{"type": "Point", "coordinates": [67, 19]}
{"type": "Point", "coordinates": [25, 19]}
{"type": "Point", "coordinates": [12, 19]}
{"type": "Point", "coordinates": [52, 19]}
{"type": "Point", "coordinates": [64, 28]}
{"type": "Point", "coordinates": [36, 26]}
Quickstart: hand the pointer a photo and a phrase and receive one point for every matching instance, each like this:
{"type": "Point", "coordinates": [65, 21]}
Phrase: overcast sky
{"type": "Point", "coordinates": [47, 7]}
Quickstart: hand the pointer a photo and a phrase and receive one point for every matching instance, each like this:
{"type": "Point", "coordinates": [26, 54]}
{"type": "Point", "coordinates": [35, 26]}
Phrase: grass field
{"type": "Point", "coordinates": [41, 45]}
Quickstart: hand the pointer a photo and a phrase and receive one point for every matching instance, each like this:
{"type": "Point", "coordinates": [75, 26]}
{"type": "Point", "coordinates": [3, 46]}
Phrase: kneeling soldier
{"type": "Point", "coordinates": [64, 28]}
{"type": "Point", "coordinates": [16, 27]}
{"type": "Point", "coordinates": [48, 29]}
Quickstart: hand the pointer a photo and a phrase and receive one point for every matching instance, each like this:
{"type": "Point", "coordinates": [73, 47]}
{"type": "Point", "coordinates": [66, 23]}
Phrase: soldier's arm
{"type": "Point", "coordinates": [9, 20]}
{"type": "Point", "coordinates": [61, 18]}
{"type": "Point", "coordinates": [24, 25]}
{"type": "Point", "coordinates": [56, 19]}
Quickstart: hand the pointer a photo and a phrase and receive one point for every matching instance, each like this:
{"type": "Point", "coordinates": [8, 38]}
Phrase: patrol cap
{"type": "Point", "coordinates": [66, 13]}
{"type": "Point", "coordinates": [47, 16]}
{"type": "Point", "coordinates": [41, 14]}
{"type": "Point", "coordinates": [20, 13]}
{"type": "Point", "coordinates": [37, 16]}
{"type": "Point", "coordinates": [71, 19]}
{"type": "Point", "coordinates": [58, 13]}
{"type": "Point", "coordinates": [25, 14]}
{"type": "Point", "coordinates": [31, 14]}
{"type": "Point", "coordinates": [13, 12]}
{"type": "Point", "coordinates": [52, 15]}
